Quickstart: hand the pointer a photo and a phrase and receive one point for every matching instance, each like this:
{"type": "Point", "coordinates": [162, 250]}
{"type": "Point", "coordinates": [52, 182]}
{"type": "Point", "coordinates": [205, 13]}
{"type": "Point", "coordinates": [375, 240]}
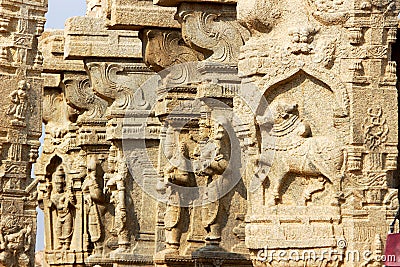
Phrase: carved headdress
{"type": "Point", "coordinates": [59, 175]}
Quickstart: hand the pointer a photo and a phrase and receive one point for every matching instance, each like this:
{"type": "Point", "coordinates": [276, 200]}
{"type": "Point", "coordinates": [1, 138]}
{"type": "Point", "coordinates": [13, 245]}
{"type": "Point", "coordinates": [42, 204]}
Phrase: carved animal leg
{"type": "Point", "coordinates": [337, 185]}
{"type": "Point", "coordinates": [257, 180]}
{"type": "Point", "coordinates": [312, 187]}
{"type": "Point", "coordinates": [276, 175]}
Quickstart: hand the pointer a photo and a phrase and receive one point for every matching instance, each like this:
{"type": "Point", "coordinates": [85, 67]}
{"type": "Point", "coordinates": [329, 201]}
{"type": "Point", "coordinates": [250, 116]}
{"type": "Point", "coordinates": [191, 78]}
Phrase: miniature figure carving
{"type": "Point", "coordinates": [15, 152]}
{"type": "Point", "coordinates": [19, 98]}
{"type": "Point", "coordinates": [62, 199]}
{"type": "Point", "coordinates": [15, 241]}
{"type": "Point", "coordinates": [21, 55]}
{"type": "Point", "coordinates": [375, 129]}
{"type": "Point", "coordinates": [296, 151]}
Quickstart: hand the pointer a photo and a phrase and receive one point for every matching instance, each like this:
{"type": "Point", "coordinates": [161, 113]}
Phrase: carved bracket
{"type": "Point", "coordinates": [104, 79]}
{"type": "Point", "coordinates": [80, 95]}
{"type": "Point", "coordinates": [214, 31]}
{"type": "Point", "coordinates": [164, 48]}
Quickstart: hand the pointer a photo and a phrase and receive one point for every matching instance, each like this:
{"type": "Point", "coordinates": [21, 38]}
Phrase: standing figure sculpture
{"type": "Point", "coordinates": [176, 172]}
{"type": "Point", "coordinates": [212, 161]}
{"type": "Point", "coordinates": [115, 184]}
{"type": "Point", "coordinates": [93, 197]}
{"type": "Point", "coordinates": [63, 200]}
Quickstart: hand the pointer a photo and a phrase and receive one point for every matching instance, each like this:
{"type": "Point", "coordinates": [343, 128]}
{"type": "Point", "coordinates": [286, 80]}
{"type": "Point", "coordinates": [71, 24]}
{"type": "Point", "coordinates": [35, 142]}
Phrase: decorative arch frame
{"type": "Point", "coordinates": [337, 87]}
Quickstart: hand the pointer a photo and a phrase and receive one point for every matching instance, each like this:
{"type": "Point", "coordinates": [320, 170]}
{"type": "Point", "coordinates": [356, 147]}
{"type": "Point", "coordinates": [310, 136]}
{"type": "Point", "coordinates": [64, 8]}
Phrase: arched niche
{"type": "Point", "coordinates": [52, 165]}
{"type": "Point", "coordinates": [316, 73]}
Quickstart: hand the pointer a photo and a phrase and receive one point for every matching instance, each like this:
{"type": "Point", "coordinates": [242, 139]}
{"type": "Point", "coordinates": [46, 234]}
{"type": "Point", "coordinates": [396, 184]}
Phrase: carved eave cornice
{"type": "Point", "coordinates": [40, 5]}
{"type": "Point", "coordinates": [213, 30]}
{"type": "Point", "coordinates": [171, 3]}
{"type": "Point", "coordinates": [165, 48]}
{"type": "Point", "coordinates": [88, 37]}
{"type": "Point", "coordinates": [51, 44]}
{"type": "Point", "coordinates": [135, 15]}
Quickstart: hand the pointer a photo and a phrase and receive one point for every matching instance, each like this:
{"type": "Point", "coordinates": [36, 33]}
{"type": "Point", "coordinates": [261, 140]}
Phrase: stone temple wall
{"type": "Point", "coordinates": [202, 133]}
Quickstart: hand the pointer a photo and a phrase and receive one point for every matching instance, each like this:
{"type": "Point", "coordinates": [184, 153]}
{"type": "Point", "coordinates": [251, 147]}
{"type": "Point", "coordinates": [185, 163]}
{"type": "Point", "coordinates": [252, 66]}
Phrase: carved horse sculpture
{"type": "Point", "coordinates": [294, 150]}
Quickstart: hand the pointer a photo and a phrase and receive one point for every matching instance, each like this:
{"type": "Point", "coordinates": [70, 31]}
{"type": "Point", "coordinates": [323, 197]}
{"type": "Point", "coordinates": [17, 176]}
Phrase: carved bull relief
{"type": "Point", "coordinates": [296, 151]}
{"type": "Point", "coordinates": [296, 143]}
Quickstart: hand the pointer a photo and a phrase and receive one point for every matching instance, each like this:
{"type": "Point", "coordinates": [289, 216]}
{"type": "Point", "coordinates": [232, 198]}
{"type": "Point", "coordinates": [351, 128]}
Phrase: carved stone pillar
{"type": "Point", "coordinates": [164, 48]}
{"type": "Point", "coordinates": [74, 154]}
{"type": "Point", "coordinates": [212, 30]}
{"type": "Point", "coordinates": [88, 172]}
{"type": "Point", "coordinates": [130, 127]}
{"type": "Point", "coordinates": [323, 95]}
{"type": "Point", "coordinates": [179, 113]}
{"type": "Point", "coordinates": [21, 24]}
{"type": "Point", "coordinates": [116, 71]}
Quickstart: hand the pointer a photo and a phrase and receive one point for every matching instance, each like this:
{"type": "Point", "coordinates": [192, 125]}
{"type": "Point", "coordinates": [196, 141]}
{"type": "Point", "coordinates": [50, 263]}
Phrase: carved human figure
{"type": "Point", "coordinates": [116, 186]}
{"type": "Point", "coordinates": [19, 98]}
{"type": "Point", "coordinates": [21, 55]}
{"type": "Point", "coordinates": [295, 150]}
{"type": "Point", "coordinates": [176, 172]}
{"type": "Point", "coordinates": [62, 199]}
{"type": "Point", "coordinates": [15, 241]}
{"type": "Point", "coordinates": [212, 161]}
{"type": "Point", "coordinates": [93, 197]}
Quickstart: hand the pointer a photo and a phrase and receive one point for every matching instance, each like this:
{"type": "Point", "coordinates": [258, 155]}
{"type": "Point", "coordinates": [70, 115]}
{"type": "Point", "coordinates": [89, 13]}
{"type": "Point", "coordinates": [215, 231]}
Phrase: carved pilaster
{"type": "Point", "coordinates": [76, 145]}
{"type": "Point", "coordinates": [186, 89]}
{"type": "Point", "coordinates": [116, 75]}
{"type": "Point", "coordinates": [21, 24]}
{"type": "Point", "coordinates": [293, 49]}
